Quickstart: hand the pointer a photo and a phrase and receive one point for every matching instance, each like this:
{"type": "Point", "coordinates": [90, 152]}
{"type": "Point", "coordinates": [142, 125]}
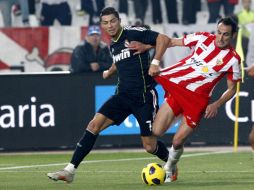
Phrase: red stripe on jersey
{"type": "Point", "coordinates": [192, 43]}
{"type": "Point", "coordinates": [206, 88]}
{"type": "Point", "coordinates": [203, 33]}
{"type": "Point", "coordinates": [213, 54]}
{"type": "Point", "coordinates": [225, 60]}
{"type": "Point", "coordinates": [230, 73]}
{"type": "Point", "coordinates": [192, 80]}
{"type": "Point", "coordinates": [208, 41]}
{"type": "Point", "coordinates": [199, 51]}
{"type": "Point", "coordinates": [236, 55]}
{"type": "Point", "coordinates": [181, 73]}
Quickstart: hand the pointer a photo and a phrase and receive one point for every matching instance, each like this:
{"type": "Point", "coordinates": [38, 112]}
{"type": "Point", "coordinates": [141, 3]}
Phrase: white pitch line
{"type": "Point", "coordinates": [121, 171]}
{"type": "Point", "coordinates": [115, 160]}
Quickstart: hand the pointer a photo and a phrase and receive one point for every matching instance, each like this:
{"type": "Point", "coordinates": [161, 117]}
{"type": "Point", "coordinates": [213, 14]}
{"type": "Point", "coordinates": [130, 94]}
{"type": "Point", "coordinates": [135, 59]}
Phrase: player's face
{"type": "Point", "coordinates": [111, 24]}
{"type": "Point", "coordinates": [246, 4]}
{"type": "Point", "coordinates": [223, 36]}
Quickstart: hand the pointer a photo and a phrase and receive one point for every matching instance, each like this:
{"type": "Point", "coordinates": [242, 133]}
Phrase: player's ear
{"type": "Point", "coordinates": [234, 35]}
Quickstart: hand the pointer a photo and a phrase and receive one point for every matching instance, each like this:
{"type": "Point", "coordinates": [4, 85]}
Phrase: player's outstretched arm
{"type": "Point", "coordinates": [175, 42]}
{"type": "Point", "coordinates": [250, 70]}
{"type": "Point", "coordinates": [162, 42]}
{"type": "Point", "coordinates": [139, 47]}
{"type": "Point", "coordinates": [108, 73]}
{"type": "Point", "coordinates": [212, 109]}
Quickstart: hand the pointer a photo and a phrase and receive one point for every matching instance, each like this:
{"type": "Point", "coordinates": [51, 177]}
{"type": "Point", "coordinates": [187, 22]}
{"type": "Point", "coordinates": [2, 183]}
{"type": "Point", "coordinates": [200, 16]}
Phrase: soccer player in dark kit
{"type": "Point", "coordinates": [135, 93]}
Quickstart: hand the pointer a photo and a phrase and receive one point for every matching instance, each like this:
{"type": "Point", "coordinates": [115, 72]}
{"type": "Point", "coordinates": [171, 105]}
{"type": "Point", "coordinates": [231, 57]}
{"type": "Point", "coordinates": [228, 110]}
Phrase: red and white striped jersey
{"type": "Point", "coordinates": [201, 71]}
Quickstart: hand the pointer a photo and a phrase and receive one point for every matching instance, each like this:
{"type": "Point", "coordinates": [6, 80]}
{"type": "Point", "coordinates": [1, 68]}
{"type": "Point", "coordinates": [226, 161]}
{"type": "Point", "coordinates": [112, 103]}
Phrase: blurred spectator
{"type": "Point", "coordinates": [140, 8]}
{"type": "Point", "coordinates": [123, 6]}
{"type": "Point", "coordinates": [55, 10]}
{"type": "Point", "coordinates": [92, 54]}
{"type": "Point", "coordinates": [171, 6]}
{"type": "Point", "coordinates": [6, 9]}
{"type": "Point", "coordinates": [156, 10]}
{"type": "Point", "coordinates": [214, 8]}
{"type": "Point", "coordinates": [250, 55]}
{"type": "Point", "coordinates": [245, 17]}
{"type": "Point", "coordinates": [93, 9]}
{"type": "Point", "coordinates": [31, 5]}
{"type": "Point", "coordinates": [33, 19]}
{"type": "Point", "coordinates": [190, 9]}
{"type": "Point", "coordinates": [24, 11]}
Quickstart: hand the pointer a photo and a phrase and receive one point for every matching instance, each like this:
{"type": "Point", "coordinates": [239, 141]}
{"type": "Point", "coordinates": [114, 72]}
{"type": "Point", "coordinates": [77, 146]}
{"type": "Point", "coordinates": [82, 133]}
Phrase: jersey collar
{"type": "Point", "coordinates": [120, 33]}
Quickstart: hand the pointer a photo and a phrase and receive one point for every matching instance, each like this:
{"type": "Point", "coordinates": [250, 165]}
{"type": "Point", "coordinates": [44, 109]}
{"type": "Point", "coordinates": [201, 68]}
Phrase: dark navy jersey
{"type": "Point", "coordinates": [132, 69]}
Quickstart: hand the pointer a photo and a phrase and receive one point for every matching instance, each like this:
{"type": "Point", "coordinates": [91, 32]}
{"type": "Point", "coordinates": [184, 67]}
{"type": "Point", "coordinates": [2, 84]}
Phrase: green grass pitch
{"type": "Point", "coordinates": [122, 171]}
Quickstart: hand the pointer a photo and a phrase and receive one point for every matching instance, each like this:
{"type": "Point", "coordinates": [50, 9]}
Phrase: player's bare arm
{"type": "Point", "coordinates": [139, 47]}
{"type": "Point", "coordinates": [108, 73]}
{"type": "Point", "coordinates": [250, 70]}
{"type": "Point", "coordinates": [175, 42]}
{"type": "Point", "coordinates": [162, 42]}
{"type": "Point", "coordinates": [212, 109]}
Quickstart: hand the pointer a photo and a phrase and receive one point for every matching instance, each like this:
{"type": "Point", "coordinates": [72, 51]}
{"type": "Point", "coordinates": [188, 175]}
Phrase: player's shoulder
{"type": "Point", "coordinates": [235, 54]}
{"type": "Point", "coordinates": [206, 34]}
{"type": "Point", "coordinates": [135, 28]}
{"type": "Point", "coordinates": [200, 35]}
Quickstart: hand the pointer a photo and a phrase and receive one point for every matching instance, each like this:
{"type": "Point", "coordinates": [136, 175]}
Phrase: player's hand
{"type": "Point", "coordinates": [211, 110]}
{"type": "Point", "coordinates": [154, 70]}
{"type": "Point", "coordinates": [105, 74]}
{"type": "Point", "coordinates": [138, 47]}
{"type": "Point", "coordinates": [250, 70]}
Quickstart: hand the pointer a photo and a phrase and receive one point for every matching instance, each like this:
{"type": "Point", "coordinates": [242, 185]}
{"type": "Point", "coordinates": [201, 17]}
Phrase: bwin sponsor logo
{"type": "Point", "coordinates": [125, 53]}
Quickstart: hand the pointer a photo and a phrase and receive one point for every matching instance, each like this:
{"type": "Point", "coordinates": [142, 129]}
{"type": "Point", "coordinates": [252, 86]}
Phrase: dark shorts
{"type": "Point", "coordinates": [120, 106]}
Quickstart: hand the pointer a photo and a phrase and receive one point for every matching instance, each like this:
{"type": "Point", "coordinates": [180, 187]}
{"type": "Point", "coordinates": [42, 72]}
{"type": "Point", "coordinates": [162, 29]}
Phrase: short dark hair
{"type": "Point", "coordinates": [229, 21]}
{"type": "Point", "coordinates": [109, 11]}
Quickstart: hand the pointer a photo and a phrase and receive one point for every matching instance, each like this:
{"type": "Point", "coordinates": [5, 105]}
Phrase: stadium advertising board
{"type": "Point", "coordinates": [50, 111]}
{"type": "Point", "coordinates": [43, 111]}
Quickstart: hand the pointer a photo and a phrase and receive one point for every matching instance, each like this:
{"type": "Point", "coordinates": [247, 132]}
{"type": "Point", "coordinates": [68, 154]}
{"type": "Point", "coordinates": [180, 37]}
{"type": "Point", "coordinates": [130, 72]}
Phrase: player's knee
{"type": "Point", "coordinates": [177, 143]}
{"type": "Point", "coordinates": [149, 148]}
{"type": "Point", "coordinates": [157, 132]}
{"type": "Point", "coordinates": [251, 140]}
{"type": "Point", "coordinates": [93, 127]}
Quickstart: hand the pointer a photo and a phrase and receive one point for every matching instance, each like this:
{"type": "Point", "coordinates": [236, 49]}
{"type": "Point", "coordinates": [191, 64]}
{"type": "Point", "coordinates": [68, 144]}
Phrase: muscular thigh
{"type": "Point", "coordinates": [183, 132]}
{"type": "Point", "coordinates": [116, 108]}
{"type": "Point", "coordinates": [99, 123]}
{"type": "Point", "coordinates": [163, 119]}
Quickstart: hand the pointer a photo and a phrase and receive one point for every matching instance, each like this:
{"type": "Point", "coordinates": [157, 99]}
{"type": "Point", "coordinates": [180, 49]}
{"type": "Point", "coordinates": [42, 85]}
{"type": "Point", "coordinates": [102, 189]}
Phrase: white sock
{"type": "Point", "coordinates": [70, 168]}
{"type": "Point", "coordinates": [173, 157]}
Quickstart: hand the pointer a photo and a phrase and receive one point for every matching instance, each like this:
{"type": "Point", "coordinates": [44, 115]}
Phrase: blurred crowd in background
{"type": "Point", "coordinates": [155, 13]}
{"type": "Point", "coordinates": [86, 12]}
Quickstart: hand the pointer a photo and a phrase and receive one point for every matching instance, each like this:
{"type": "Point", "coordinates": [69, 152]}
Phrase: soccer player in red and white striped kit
{"type": "Point", "coordinates": [189, 83]}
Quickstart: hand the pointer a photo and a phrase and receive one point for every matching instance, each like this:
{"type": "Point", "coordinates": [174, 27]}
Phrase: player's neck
{"type": "Point", "coordinates": [118, 34]}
